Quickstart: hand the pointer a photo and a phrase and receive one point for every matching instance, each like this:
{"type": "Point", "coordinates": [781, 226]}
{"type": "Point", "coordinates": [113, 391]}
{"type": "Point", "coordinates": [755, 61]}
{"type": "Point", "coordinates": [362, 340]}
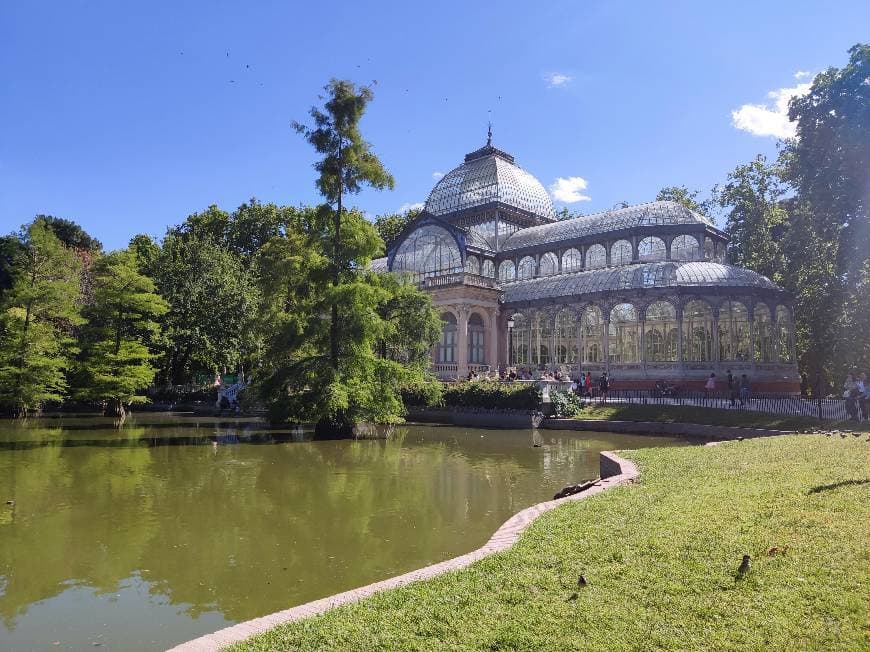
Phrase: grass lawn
{"type": "Point", "coordinates": [712, 416]}
{"type": "Point", "coordinates": [660, 558]}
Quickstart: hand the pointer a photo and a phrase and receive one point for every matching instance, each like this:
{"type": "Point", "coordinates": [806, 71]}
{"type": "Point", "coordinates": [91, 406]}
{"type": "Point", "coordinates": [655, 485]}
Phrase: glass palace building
{"type": "Point", "coordinates": [643, 292]}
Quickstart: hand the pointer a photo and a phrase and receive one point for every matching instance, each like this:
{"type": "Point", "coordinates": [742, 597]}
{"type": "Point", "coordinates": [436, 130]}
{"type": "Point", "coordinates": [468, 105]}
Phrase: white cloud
{"type": "Point", "coordinates": [416, 206]}
{"type": "Point", "coordinates": [769, 119]}
{"type": "Point", "coordinates": [437, 175]}
{"type": "Point", "coordinates": [569, 189]}
{"type": "Point", "coordinates": [555, 79]}
{"type": "Point", "coordinates": [802, 74]}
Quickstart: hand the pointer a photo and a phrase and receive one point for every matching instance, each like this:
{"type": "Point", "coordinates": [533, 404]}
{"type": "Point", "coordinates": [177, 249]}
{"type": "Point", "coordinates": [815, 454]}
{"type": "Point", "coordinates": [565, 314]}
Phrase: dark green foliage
{"type": "Point", "coordinates": [71, 234]}
{"type": "Point", "coordinates": [565, 404]}
{"type": "Point", "coordinates": [688, 198]}
{"type": "Point", "coordinates": [38, 314]}
{"type": "Point", "coordinates": [494, 395]}
{"type": "Point", "coordinates": [427, 394]}
{"type": "Point", "coordinates": [391, 226]}
{"type": "Point", "coordinates": [116, 363]}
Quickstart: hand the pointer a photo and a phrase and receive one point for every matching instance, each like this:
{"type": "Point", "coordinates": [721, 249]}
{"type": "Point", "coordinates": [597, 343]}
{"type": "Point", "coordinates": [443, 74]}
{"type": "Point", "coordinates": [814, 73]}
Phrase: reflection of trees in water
{"type": "Point", "coordinates": [251, 529]}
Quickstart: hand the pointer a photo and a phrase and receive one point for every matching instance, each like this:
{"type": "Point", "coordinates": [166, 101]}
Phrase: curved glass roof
{"type": "Point", "coordinates": [653, 213]}
{"type": "Point", "coordinates": [489, 175]}
{"type": "Point", "coordinates": [636, 277]}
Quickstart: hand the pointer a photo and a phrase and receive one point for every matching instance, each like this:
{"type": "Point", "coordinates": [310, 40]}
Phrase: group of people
{"type": "Point", "coordinates": [738, 390]}
{"type": "Point", "coordinates": [856, 391]}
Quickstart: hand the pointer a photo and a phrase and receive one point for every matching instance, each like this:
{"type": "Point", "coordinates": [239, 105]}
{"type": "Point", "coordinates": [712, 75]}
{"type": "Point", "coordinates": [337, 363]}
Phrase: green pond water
{"type": "Point", "coordinates": [175, 526]}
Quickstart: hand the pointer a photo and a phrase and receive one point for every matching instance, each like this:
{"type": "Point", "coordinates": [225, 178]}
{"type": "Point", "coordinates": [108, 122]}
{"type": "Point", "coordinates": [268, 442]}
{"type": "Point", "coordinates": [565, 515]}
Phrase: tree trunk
{"type": "Point", "coordinates": [336, 270]}
{"type": "Point", "coordinates": [115, 408]}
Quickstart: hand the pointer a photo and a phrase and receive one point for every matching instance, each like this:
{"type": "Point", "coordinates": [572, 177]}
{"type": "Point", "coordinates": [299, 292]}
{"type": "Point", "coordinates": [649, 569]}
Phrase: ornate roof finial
{"type": "Point", "coordinates": [489, 129]}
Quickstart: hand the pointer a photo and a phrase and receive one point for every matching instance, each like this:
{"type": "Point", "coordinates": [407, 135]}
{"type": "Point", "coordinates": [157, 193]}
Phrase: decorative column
{"type": "Point", "coordinates": [715, 356]}
{"type": "Point", "coordinates": [679, 311]}
{"type": "Point", "coordinates": [552, 344]}
{"type": "Point", "coordinates": [492, 344]}
{"type": "Point", "coordinates": [605, 341]}
{"type": "Point", "coordinates": [462, 344]}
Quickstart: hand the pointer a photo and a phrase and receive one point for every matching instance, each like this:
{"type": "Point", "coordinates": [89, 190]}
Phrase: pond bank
{"type": "Point", "coordinates": [659, 558]}
{"type": "Point", "coordinates": [614, 470]}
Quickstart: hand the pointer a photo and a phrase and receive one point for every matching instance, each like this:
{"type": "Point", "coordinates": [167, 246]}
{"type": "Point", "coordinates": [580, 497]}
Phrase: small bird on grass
{"type": "Point", "coordinates": [571, 597]}
{"type": "Point", "coordinates": [744, 568]}
{"type": "Point", "coordinates": [581, 581]}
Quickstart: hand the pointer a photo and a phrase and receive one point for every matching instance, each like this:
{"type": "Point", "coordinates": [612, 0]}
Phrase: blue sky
{"type": "Point", "coordinates": [127, 117]}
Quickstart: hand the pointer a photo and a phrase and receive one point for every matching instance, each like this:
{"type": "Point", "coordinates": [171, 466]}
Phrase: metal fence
{"type": "Point", "coordinates": [836, 409]}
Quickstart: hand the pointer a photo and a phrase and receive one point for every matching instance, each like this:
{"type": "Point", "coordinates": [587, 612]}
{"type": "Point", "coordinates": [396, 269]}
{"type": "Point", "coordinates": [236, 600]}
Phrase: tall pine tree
{"type": "Point", "coordinates": [39, 312]}
{"type": "Point", "coordinates": [116, 363]}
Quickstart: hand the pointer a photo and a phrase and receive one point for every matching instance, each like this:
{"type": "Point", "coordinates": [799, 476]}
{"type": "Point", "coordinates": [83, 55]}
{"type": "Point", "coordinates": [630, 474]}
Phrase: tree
{"type": "Point", "coordinates": [385, 329]}
{"type": "Point", "coordinates": [212, 300]}
{"type": "Point", "coordinates": [755, 218]}
{"type": "Point", "coordinates": [688, 198]}
{"type": "Point", "coordinates": [827, 165]}
{"type": "Point", "coordinates": [347, 165]}
{"type": "Point", "coordinates": [116, 360]}
{"type": "Point", "coordinates": [71, 234]}
{"type": "Point", "coordinates": [390, 226]}
{"type": "Point", "coordinates": [39, 311]}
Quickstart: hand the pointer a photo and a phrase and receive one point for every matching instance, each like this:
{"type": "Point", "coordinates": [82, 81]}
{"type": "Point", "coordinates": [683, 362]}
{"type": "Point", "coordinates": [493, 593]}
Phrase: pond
{"type": "Point", "coordinates": [175, 526]}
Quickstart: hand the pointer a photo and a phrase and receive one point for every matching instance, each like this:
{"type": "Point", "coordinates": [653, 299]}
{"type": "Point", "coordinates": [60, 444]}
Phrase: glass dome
{"type": "Point", "coordinates": [489, 175]}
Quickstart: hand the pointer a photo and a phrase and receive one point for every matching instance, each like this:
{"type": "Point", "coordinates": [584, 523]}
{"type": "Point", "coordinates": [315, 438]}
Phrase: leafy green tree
{"type": "Point", "coordinates": [827, 164]}
{"type": "Point", "coordinates": [39, 311]}
{"type": "Point", "coordinates": [347, 165]}
{"type": "Point", "coordinates": [390, 226]}
{"type": "Point", "coordinates": [71, 234]}
{"type": "Point", "coordinates": [688, 198]}
{"type": "Point", "coordinates": [116, 363]}
{"type": "Point", "coordinates": [755, 218]}
{"type": "Point", "coordinates": [212, 300]}
{"type": "Point", "coordinates": [386, 327]}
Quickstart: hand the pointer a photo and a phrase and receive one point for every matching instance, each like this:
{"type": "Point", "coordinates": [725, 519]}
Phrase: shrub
{"type": "Point", "coordinates": [481, 394]}
{"type": "Point", "coordinates": [565, 404]}
{"type": "Point", "coordinates": [426, 394]}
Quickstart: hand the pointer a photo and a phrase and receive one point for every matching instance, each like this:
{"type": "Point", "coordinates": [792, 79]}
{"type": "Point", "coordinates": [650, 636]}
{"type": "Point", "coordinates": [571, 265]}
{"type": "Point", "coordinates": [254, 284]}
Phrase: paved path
{"type": "Point", "coordinates": [619, 470]}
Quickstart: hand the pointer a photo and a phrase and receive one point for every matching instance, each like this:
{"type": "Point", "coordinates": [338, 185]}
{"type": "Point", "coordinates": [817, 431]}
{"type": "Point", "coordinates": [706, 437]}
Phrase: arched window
{"type": "Point", "coordinates": [596, 257]}
{"type": "Point", "coordinates": [520, 340]}
{"type": "Point", "coordinates": [784, 334]}
{"type": "Point", "coordinates": [572, 260]}
{"type": "Point", "coordinates": [685, 247]}
{"type": "Point", "coordinates": [621, 253]}
{"type": "Point", "coordinates": [472, 265]}
{"type": "Point", "coordinates": [549, 264]}
{"type": "Point", "coordinates": [733, 331]}
{"type": "Point", "coordinates": [651, 249]}
{"type": "Point", "coordinates": [623, 336]}
{"type": "Point", "coordinates": [541, 340]}
{"type": "Point", "coordinates": [526, 268]}
{"type": "Point", "coordinates": [428, 251]}
{"type": "Point", "coordinates": [763, 334]}
{"type": "Point", "coordinates": [476, 338]}
{"type": "Point", "coordinates": [709, 249]}
{"type": "Point", "coordinates": [487, 268]}
{"type": "Point", "coordinates": [447, 344]}
{"type": "Point", "coordinates": [660, 332]}
{"type": "Point", "coordinates": [507, 271]}
{"type": "Point", "coordinates": [592, 328]}
{"type": "Point", "coordinates": [720, 252]}
{"type": "Point", "coordinates": [566, 338]}
{"type": "Point", "coordinates": [697, 332]}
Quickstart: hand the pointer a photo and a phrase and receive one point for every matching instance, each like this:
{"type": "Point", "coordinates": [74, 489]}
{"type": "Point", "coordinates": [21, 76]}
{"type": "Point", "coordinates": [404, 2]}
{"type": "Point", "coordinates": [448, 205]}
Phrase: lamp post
{"type": "Point", "coordinates": [510, 325]}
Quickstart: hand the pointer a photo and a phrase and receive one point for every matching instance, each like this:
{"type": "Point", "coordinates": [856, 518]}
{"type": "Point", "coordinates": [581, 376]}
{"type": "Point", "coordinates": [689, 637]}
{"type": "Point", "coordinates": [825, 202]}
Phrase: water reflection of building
{"type": "Point", "coordinates": [644, 292]}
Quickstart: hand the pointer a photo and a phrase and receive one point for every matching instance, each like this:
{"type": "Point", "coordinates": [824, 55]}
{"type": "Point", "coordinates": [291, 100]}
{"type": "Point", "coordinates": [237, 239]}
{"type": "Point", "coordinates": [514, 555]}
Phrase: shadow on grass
{"type": "Point", "coordinates": [836, 485]}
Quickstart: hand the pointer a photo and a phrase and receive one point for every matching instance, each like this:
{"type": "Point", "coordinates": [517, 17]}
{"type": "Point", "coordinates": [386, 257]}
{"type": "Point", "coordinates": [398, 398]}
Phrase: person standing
{"type": "Point", "coordinates": [603, 386]}
{"type": "Point", "coordinates": [744, 390]}
{"type": "Point", "coordinates": [588, 384]}
{"type": "Point", "coordinates": [864, 398]}
{"type": "Point", "coordinates": [732, 388]}
{"type": "Point", "coordinates": [850, 393]}
{"type": "Point", "coordinates": [710, 386]}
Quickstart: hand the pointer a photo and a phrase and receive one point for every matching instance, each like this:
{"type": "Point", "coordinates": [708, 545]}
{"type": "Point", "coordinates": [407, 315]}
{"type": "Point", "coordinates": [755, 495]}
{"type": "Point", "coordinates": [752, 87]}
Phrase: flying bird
{"type": "Point", "coordinates": [744, 568]}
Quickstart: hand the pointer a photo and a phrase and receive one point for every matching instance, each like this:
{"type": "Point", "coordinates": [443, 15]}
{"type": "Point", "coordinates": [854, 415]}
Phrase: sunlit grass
{"type": "Point", "coordinates": [660, 558]}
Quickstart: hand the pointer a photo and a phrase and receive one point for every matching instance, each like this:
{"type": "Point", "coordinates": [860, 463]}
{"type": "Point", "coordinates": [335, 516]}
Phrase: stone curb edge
{"type": "Point", "coordinates": [615, 471]}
